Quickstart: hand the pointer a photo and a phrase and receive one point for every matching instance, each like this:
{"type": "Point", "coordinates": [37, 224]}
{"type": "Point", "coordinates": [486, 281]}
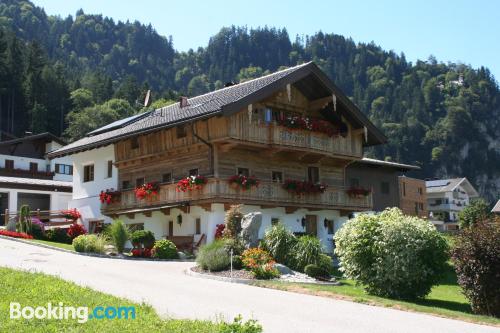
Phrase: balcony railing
{"type": "Point", "coordinates": [267, 193]}
{"type": "Point", "coordinates": [9, 172]}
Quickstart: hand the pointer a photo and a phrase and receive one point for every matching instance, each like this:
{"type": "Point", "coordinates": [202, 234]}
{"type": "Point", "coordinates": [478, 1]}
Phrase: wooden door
{"type": "Point", "coordinates": [170, 228]}
{"type": "Point", "coordinates": [312, 225]}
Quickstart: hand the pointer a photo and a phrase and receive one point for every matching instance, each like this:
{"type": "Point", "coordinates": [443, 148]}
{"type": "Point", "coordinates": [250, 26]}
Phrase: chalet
{"type": "Point", "coordinates": [389, 184]}
{"type": "Point", "coordinates": [446, 198]}
{"type": "Point", "coordinates": [279, 144]}
{"type": "Point", "coordinates": [27, 176]}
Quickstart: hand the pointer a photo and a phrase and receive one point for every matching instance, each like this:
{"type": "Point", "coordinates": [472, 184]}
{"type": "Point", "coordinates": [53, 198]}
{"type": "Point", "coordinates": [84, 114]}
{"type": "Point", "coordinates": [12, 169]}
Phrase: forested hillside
{"type": "Point", "coordinates": [87, 70]}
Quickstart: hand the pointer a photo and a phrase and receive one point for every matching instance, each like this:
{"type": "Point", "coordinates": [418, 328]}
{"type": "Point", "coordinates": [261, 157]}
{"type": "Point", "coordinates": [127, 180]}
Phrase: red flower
{"type": "Point", "coordinates": [71, 214]}
{"type": "Point", "coordinates": [219, 230]}
{"type": "Point", "coordinates": [15, 234]}
{"type": "Point", "coordinates": [191, 183]}
{"type": "Point", "coordinates": [109, 196]}
{"type": "Point", "coordinates": [244, 182]}
{"type": "Point", "coordinates": [299, 187]}
{"type": "Point", "coordinates": [76, 230]}
{"type": "Point", "coordinates": [147, 190]}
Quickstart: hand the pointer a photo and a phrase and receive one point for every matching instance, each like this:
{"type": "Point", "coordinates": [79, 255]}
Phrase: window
{"type": "Point", "coordinates": [9, 164]}
{"type": "Point", "coordinates": [125, 184]}
{"type": "Point", "coordinates": [404, 189]}
{"type": "Point", "coordinates": [277, 176]}
{"type": "Point", "coordinates": [110, 169]}
{"type": "Point", "coordinates": [181, 132]}
{"type": "Point", "coordinates": [421, 205]}
{"type": "Point", "coordinates": [329, 226]}
{"type": "Point", "coordinates": [193, 172]}
{"type": "Point", "coordinates": [385, 188]}
{"type": "Point", "coordinates": [197, 224]}
{"type": "Point", "coordinates": [33, 167]}
{"type": "Point", "coordinates": [64, 169]}
{"type": "Point", "coordinates": [134, 143]}
{"type": "Point", "coordinates": [354, 182]}
{"type": "Point", "coordinates": [166, 177]}
{"type": "Point", "coordinates": [244, 172]}
{"type": "Point", "coordinates": [420, 191]}
{"type": "Point", "coordinates": [88, 173]}
{"type": "Point", "coordinates": [313, 174]}
{"type": "Point", "coordinates": [139, 182]}
{"type": "Point", "coordinates": [275, 220]}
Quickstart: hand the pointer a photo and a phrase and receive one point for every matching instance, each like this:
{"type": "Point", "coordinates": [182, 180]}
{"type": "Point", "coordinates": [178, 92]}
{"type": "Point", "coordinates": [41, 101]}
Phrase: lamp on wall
{"type": "Point", "coordinates": [325, 222]}
{"type": "Point", "coordinates": [179, 219]}
{"type": "Point", "coordinates": [303, 222]}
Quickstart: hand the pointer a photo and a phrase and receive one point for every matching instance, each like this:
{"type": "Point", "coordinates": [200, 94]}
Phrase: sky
{"type": "Point", "coordinates": [451, 30]}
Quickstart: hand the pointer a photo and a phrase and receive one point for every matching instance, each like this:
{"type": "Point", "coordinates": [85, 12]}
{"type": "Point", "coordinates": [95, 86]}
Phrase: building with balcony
{"type": "Point", "coordinates": [28, 177]}
{"type": "Point", "coordinates": [291, 134]}
{"type": "Point", "coordinates": [446, 198]}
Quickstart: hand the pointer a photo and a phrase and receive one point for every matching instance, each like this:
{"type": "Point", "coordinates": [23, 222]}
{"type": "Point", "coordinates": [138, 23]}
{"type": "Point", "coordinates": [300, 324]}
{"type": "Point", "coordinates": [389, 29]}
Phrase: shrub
{"type": "Point", "coordinates": [477, 211]}
{"type": "Point", "coordinates": [119, 234]}
{"type": "Point", "coordinates": [391, 254]}
{"type": "Point", "coordinates": [316, 271]}
{"type": "Point", "coordinates": [76, 230]}
{"type": "Point", "coordinates": [58, 235]}
{"type": "Point", "coordinates": [239, 326]}
{"type": "Point", "coordinates": [24, 220]}
{"type": "Point", "coordinates": [89, 243]}
{"type": "Point", "coordinates": [325, 262]}
{"type": "Point", "coordinates": [234, 244]}
{"type": "Point", "coordinates": [232, 220]}
{"type": "Point", "coordinates": [477, 262]}
{"type": "Point", "coordinates": [214, 256]}
{"type": "Point", "coordinates": [280, 242]}
{"type": "Point", "coordinates": [237, 263]}
{"type": "Point", "coordinates": [307, 251]}
{"type": "Point", "coordinates": [260, 263]}
{"type": "Point", "coordinates": [165, 249]}
{"type": "Point", "coordinates": [142, 237]}
{"type": "Point", "coordinates": [37, 228]}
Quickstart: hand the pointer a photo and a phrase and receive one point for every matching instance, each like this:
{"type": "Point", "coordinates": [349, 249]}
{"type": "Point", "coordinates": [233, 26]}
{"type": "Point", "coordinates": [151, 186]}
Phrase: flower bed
{"type": "Point", "coordinates": [15, 234]}
{"type": "Point", "coordinates": [243, 182]}
{"type": "Point", "coordinates": [147, 191]}
{"type": "Point", "coordinates": [191, 183]}
{"type": "Point", "coordinates": [141, 253]}
{"type": "Point", "coordinates": [300, 187]}
{"type": "Point", "coordinates": [109, 196]}
{"type": "Point", "coordinates": [357, 192]}
{"type": "Point", "coordinates": [309, 124]}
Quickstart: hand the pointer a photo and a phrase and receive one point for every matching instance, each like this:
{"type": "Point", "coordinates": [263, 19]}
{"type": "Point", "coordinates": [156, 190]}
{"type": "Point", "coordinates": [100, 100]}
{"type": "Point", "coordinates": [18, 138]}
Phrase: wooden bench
{"type": "Point", "coordinates": [183, 242]}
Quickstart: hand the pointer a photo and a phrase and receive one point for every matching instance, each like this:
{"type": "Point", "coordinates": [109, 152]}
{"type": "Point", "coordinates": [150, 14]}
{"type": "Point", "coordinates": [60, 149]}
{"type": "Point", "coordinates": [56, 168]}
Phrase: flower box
{"type": "Point", "coordinates": [147, 191]}
{"type": "Point", "coordinates": [302, 187]}
{"type": "Point", "coordinates": [109, 196]}
{"type": "Point", "coordinates": [243, 182]}
{"type": "Point", "coordinates": [309, 124]}
{"type": "Point", "coordinates": [71, 214]}
{"type": "Point", "coordinates": [191, 183]}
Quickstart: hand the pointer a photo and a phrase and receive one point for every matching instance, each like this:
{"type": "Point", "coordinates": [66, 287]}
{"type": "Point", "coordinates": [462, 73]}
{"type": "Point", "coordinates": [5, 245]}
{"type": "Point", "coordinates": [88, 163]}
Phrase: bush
{"type": "Point", "coordinates": [234, 244]}
{"type": "Point", "coordinates": [143, 238]}
{"type": "Point", "coordinates": [477, 262]}
{"type": "Point", "coordinates": [316, 271]}
{"type": "Point", "coordinates": [391, 254]}
{"type": "Point", "coordinates": [239, 326]}
{"type": "Point", "coordinates": [237, 263]}
{"type": "Point", "coordinates": [37, 228]}
{"type": "Point", "coordinates": [89, 243]}
{"type": "Point", "coordinates": [280, 242]}
{"type": "Point", "coordinates": [165, 249]}
{"type": "Point", "coordinates": [58, 235]}
{"type": "Point", "coordinates": [477, 211]}
{"type": "Point", "coordinates": [260, 263]}
{"type": "Point", "coordinates": [307, 251]}
{"type": "Point", "coordinates": [325, 262]}
{"type": "Point", "coordinates": [119, 234]}
{"type": "Point", "coordinates": [214, 256]}
{"type": "Point", "coordinates": [76, 230]}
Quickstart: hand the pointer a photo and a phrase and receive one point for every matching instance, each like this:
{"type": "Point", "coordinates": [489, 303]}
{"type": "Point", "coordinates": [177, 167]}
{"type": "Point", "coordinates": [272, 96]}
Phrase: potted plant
{"type": "Point", "coordinates": [109, 196]}
{"type": "Point", "coordinates": [191, 183]}
{"type": "Point", "coordinates": [147, 191]}
{"type": "Point", "coordinates": [243, 182]}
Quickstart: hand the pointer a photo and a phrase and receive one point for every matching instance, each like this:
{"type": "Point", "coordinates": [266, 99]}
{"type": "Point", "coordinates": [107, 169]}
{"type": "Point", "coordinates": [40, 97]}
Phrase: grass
{"type": "Point", "coordinates": [55, 244]}
{"type": "Point", "coordinates": [445, 299]}
{"type": "Point", "coordinates": [36, 289]}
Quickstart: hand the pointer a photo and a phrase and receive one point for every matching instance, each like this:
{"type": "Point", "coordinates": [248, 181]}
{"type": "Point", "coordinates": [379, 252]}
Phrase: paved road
{"type": "Point", "coordinates": [172, 293]}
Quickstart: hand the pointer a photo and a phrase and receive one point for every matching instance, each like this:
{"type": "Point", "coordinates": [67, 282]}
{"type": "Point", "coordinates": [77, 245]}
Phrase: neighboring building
{"type": "Point", "coordinates": [496, 209]}
{"type": "Point", "coordinates": [244, 129]}
{"type": "Point", "coordinates": [388, 185]}
{"type": "Point", "coordinates": [446, 198]}
{"type": "Point", "coordinates": [27, 176]}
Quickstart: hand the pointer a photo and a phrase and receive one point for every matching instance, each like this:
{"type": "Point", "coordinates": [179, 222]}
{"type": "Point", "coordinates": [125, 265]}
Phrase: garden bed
{"type": "Point", "coordinates": [236, 274]}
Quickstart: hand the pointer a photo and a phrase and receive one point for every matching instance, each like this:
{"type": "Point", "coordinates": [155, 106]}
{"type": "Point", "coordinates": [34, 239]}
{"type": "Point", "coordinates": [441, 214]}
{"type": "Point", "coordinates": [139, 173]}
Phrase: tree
{"type": "Point", "coordinates": [478, 210]}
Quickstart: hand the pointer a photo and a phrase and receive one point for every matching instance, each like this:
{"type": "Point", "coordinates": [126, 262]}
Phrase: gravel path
{"type": "Point", "coordinates": [171, 292]}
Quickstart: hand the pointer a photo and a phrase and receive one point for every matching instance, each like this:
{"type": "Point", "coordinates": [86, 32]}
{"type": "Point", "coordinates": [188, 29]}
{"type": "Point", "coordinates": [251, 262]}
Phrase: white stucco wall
{"type": "Point", "coordinates": [23, 162]}
{"type": "Point", "coordinates": [68, 160]}
{"type": "Point", "coordinates": [58, 200]}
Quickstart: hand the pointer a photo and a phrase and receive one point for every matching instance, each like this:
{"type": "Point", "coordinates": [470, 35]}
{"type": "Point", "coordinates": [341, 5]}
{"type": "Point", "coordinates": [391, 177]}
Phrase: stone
{"type": "Point", "coordinates": [11, 225]}
{"type": "Point", "coordinates": [182, 255]}
{"type": "Point", "coordinates": [250, 225]}
{"type": "Point", "coordinates": [283, 269]}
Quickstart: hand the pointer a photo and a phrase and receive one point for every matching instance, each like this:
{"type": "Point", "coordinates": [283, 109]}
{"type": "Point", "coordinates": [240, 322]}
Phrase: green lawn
{"type": "Point", "coordinates": [55, 244]}
{"type": "Point", "coordinates": [36, 289]}
{"type": "Point", "coordinates": [445, 300]}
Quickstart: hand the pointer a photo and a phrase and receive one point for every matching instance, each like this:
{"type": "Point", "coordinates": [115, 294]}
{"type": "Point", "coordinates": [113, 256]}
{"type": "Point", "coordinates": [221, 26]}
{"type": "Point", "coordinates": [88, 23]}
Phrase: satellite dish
{"type": "Point", "coordinates": [147, 99]}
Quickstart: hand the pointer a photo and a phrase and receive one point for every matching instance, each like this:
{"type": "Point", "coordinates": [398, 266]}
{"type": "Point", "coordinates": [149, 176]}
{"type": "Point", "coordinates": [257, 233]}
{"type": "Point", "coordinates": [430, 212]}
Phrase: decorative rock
{"type": "Point", "coordinates": [284, 270]}
{"type": "Point", "coordinates": [250, 225]}
{"type": "Point", "coordinates": [11, 226]}
{"type": "Point", "coordinates": [182, 255]}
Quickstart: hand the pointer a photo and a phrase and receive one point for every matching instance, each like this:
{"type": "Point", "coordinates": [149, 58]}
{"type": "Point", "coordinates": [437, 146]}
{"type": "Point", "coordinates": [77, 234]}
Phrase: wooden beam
{"type": "Point", "coordinates": [268, 206]}
{"type": "Point", "coordinates": [206, 206]}
{"type": "Point", "coordinates": [319, 104]}
{"type": "Point", "coordinates": [227, 206]}
{"type": "Point", "coordinates": [291, 210]}
{"type": "Point", "coordinates": [165, 211]}
{"type": "Point", "coordinates": [227, 147]}
{"type": "Point", "coordinates": [147, 213]}
{"type": "Point", "coordinates": [131, 215]}
{"type": "Point", "coordinates": [184, 209]}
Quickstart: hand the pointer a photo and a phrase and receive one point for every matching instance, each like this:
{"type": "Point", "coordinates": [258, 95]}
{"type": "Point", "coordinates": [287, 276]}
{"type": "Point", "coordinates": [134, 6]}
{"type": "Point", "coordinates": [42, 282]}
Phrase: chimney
{"type": "Point", "coordinates": [229, 84]}
{"type": "Point", "coordinates": [183, 102]}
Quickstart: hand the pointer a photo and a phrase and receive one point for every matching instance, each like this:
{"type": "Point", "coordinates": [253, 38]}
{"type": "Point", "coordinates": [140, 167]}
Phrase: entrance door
{"type": "Point", "coordinates": [312, 225]}
{"type": "Point", "coordinates": [170, 228]}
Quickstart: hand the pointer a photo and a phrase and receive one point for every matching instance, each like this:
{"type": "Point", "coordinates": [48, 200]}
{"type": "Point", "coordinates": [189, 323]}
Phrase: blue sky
{"type": "Point", "coordinates": [456, 31]}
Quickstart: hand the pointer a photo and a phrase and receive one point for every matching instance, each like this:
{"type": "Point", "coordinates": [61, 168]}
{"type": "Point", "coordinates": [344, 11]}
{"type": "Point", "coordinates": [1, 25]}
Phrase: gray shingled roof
{"type": "Point", "coordinates": [447, 185]}
{"type": "Point", "coordinates": [367, 160]}
{"type": "Point", "coordinates": [225, 100]}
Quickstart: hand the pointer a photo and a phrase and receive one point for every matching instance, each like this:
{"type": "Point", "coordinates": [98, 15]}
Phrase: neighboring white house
{"type": "Point", "coordinates": [446, 198]}
{"type": "Point", "coordinates": [27, 176]}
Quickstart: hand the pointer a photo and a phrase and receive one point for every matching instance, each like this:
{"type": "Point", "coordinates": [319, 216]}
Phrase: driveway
{"type": "Point", "coordinates": [172, 293]}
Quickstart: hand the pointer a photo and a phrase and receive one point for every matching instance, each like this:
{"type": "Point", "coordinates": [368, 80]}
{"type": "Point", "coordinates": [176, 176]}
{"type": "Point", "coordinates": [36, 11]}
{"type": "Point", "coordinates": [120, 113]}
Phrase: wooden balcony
{"type": "Point", "coordinates": [267, 194]}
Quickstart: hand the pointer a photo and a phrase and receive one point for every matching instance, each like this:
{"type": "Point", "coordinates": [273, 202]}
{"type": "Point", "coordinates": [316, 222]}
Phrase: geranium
{"type": "Point", "coordinates": [244, 182]}
{"type": "Point", "coordinates": [219, 230]}
{"type": "Point", "coordinates": [76, 230]}
{"type": "Point", "coordinates": [142, 253]}
{"type": "Point", "coordinates": [15, 234]}
{"type": "Point", "coordinates": [191, 183]}
{"type": "Point", "coordinates": [147, 190]}
{"type": "Point", "coordinates": [309, 124]}
{"type": "Point", "coordinates": [109, 196]}
{"type": "Point", "coordinates": [299, 187]}
{"type": "Point", "coordinates": [71, 214]}
{"type": "Point", "coordinates": [355, 192]}
{"type": "Point", "coordinates": [260, 263]}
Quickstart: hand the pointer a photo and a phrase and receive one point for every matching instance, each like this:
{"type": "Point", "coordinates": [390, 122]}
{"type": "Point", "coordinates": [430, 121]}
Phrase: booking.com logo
{"type": "Point", "coordinates": [61, 312]}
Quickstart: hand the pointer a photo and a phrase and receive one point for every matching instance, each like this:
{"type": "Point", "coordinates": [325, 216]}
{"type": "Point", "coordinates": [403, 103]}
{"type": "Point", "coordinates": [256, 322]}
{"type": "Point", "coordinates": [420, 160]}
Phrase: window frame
{"type": "Point", "coordinates": [246, 171]}
{"type": "Point", "coordinates": [170, 179]}
{"type": "Point", "coordinates": [309, 178]}
{"type": "Point", "coordinates": [191, 173]}
{"type": "Point", "coordinates": [281, 179]}
{"type": "Point", "coordinates": [9, 164]}
{"type": "Point", "coordinates": [141, 182]}
{"type": "Point", "coordinates": [197, 226]}
{"type": "Point", "coordinates": [88, 173]}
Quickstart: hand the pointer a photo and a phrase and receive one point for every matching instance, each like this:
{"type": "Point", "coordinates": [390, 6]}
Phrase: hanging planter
{"type": "Point", "coordinates": [191, 183]}
{"type": "Point", "coordinates": [147, 191]}
{"type": "Point", "coordinates": [243, 182]}
{"type": "Point", "coordinates": [109, 196]}
{"type": "Point", "coordinates": [309, 124]}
